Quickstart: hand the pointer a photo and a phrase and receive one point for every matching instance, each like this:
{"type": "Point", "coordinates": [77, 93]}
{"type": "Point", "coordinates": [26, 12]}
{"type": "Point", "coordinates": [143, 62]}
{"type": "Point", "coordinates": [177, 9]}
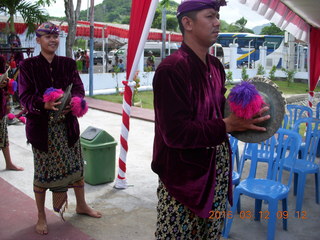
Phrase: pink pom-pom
{"type": "Point", "coordinates": [11, 116]}
{"type": "Point", "coordinates": [23, 119]}
{"type": "Point", "coordinates": [250, 110]}
{"type": "Point", "coordinates": [79, 106]}
{"type": "Point", "coordinates": [52, 94]}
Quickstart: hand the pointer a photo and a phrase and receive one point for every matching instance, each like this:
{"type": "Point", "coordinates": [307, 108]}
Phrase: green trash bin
{"type": "Point", "coordinates": [99, 152]}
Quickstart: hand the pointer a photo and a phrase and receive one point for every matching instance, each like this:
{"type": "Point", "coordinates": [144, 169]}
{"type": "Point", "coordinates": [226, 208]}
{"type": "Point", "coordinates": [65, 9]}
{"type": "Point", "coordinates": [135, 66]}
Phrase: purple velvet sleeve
{"type": "Point", "coordinates": [29, 98]}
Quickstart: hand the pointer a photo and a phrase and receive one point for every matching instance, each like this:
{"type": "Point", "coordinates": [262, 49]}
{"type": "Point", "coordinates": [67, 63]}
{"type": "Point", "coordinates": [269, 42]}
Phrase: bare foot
{"type": "Point", "coordinates": [14, 167]}
{"type": "Point", "coordinates": [42, 227]}
{"type": "Point", "coordinates": [86, 210]}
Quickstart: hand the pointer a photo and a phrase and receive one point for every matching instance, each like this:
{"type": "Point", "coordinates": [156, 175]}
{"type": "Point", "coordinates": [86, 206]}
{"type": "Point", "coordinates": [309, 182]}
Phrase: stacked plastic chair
{"type": "Point", "coordinates": [296, 112]}
{"type": "Point", "coordinates": [273, 187]}
{"type": "Point", "coordinates": [305, 164]}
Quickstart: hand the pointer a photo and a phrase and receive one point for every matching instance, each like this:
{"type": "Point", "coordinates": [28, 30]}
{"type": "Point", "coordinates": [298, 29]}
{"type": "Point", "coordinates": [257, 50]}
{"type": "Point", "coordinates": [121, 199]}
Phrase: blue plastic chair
{"type": "Point", "coordinates": [317, 111]}
{"type": "Point", "coordinates": [235, 174]}
{"type": "Point", "coordinates": [305, 164]}
{"type": "Point", "coordinates": [296, 112]}
{"type": "Point", "coordinates": [285, 121]}
{"type": "Point", "coordinates": [264, 152]}
{"type": "Point", "coordinates": [235, 156]}
{"type": "Point", "coordinates": [272, 188]}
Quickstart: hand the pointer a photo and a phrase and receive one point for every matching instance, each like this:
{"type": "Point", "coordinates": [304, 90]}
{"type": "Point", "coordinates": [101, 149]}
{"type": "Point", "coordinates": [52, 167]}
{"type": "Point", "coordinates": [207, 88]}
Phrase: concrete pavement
{"type": "Point", "coordinates": [130, 213]}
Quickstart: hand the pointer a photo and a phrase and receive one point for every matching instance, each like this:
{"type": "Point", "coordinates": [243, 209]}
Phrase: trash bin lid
{"type": "Point", "coordinates": [90, 133]}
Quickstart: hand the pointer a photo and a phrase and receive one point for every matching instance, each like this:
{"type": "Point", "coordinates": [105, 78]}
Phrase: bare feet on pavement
{"type": "Point", "coordinates": [88, 211]}
{"type": "Point", "coordinates": [42, 227]}
{"type": "Point", "coordinates": [14, 167]}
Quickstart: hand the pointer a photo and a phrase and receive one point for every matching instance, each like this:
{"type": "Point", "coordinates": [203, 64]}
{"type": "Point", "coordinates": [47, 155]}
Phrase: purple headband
{"type": "Point", "coordinates": [196, 5]}
{"type": "Point", "coordinates": [47, 28]}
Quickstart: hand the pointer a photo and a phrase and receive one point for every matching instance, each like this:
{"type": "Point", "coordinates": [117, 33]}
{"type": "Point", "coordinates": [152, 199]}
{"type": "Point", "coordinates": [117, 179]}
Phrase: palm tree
{"type": "Point", "coordinates": [31, 13]}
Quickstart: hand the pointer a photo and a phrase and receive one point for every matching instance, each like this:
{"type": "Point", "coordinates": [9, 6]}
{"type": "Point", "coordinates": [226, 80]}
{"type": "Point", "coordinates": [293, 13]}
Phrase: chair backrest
{"type": "Point", "coordinates": [285, 121]}
{"type": "Point", "coordinates": [311, 125]}
{"type": "Point", "coordinates": [265, 153]}
{"type": "Point", "coordinates": [234, 148]}
{"type": "Point", "coordinates": [318, 111]}
{"type": "Point", "coordinates": [285, 143]}
{"type": "Point", "coordinates": [296, 112]}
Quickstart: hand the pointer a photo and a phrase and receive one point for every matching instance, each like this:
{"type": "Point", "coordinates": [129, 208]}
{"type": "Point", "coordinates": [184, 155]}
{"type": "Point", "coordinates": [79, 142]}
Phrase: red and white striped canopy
{"type": "Point", "coordinates": [301, 18]}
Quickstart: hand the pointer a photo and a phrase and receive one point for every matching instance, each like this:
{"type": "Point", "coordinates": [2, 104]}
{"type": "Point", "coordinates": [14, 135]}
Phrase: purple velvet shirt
{"type": "Point", "coordinates": [36, 75]}
{"type": "Point", "coordinates": [189, 102]}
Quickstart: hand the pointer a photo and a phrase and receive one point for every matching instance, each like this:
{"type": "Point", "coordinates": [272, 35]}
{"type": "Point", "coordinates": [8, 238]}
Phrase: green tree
{"type": "Point", "coordinates": [260, 70]}
{"type": "Point", "coordinates": [289, 75]}
{"type": "Point", "coordinates": [72, 15]}
{"type": "Point", "coordinates": [272, 73]}
{"type": "Point", "coordinates": [271, 30]}
{"type": "Point", "coordinates": [171, 8]}
{"type": "Point", "coordinates": [229, 77]}
{"type": "Point", "coordinates": [32, 13]}
{"type": "Point", "coordinates": [244, 74]}
{"type": "Point", "coordinates": [239, 26]}
{"type": "Point", "coordinates": [223, 26]}
{"type": "Point", "coordinates": [172, 23]}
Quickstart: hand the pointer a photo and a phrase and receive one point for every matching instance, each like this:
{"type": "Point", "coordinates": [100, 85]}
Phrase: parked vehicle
{"type": "Point", "coordinates": [98, 57]}
{"type": "Point", "coordinates": [154, 47]}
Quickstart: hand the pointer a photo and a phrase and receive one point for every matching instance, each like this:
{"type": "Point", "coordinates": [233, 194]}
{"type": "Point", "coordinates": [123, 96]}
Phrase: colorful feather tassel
{"type": "Point", "coordinates": [52, 94]}
{"type": "Point", "coordinates": [22, 119]}
{"type": "Point", "coordinates": [245, 100]}
{"type": "Point", "coordinates": [79, 106]}
{"type": "Point", "coordinates": [12, 86]}
{"type": "Point", "coordinates": [11, 116]}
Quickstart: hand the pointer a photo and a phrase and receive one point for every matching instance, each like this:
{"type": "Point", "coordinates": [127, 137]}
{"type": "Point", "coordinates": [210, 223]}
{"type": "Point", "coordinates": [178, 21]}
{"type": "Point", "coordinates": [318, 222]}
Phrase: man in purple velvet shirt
{"type": "Point", "coordinates": [191, 148]}
{"type": "Point", "coordinates": [58, 163]}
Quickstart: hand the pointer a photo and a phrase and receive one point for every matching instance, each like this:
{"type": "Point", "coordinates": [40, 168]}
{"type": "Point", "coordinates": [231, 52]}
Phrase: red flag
{"type": "Point", "coordinates": [142, 13]}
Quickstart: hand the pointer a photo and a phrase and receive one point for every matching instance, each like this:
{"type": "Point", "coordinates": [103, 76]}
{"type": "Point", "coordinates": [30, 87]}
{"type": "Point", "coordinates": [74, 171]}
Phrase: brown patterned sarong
{"type": "Point", "coordinates": [176, 221]}
{"type": "Point", "coordinates": [4, 141]}
{"type": "Point", "coordinates": [61, 167]}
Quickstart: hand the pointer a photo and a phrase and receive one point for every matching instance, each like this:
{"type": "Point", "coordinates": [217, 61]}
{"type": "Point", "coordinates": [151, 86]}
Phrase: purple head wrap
{"type": "Point", "coordinates": [196, 5]}
{"type": "Point", "coordinates": [47, 28]}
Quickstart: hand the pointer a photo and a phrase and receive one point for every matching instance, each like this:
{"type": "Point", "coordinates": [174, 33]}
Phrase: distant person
{"type": "Point", "coordinates": [58, 162]}
{"type": "Point", "coordinates": [151, 61]}
{"type": "Point", "coordinates": [116, 59]}
{"type": "Point", "coordinates": [191, 152]}
{"type": "Point", "coordinates": [121, 65]}
{"type": "Point", "coordinates": [85, 61]}
{"type": "Point", "coordinates": [4, 141]}
{"type": "Point", "coordinates": [109, 66]}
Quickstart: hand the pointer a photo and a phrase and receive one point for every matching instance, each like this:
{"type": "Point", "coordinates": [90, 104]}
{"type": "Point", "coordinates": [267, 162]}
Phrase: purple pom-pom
{"type": "Point", "coordinates": [245, 100]}
{"type": "Point", "coordinates": [243, 93]}
{"type": "Point", "coordinates": [79, 106]}
{"type": "Point", "coordinates": [52, 94]}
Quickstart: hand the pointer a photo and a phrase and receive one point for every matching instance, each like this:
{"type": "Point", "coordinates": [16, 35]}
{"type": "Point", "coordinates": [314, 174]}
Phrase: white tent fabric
{"type": "Point", "coordinates": [282, 16]}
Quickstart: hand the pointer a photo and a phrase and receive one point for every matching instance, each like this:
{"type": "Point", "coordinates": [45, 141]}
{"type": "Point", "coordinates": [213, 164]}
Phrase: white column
{"type": "Point", "coordinates": [302, 59]}
{"type": "Point", "coordinates": [141, 63]}
{"type": "Point", "coordinates": [103, 52]}
{"type": "Point", "coordinates": [263, 56]}
{"type": "Point", "coordinates": [233, 55]}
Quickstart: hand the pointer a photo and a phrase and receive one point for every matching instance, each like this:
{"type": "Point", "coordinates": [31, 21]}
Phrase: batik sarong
{"type": "Point", "coordinates": [61, 167]}
{"type": "Point", "coordinates": [176, 221]}
{"type": "Point", "coordinates": [4, 142]}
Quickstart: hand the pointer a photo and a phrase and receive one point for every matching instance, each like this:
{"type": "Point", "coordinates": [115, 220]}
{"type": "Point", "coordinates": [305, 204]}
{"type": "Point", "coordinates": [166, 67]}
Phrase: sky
{"type": "Point", "coordinates": [231, 13]}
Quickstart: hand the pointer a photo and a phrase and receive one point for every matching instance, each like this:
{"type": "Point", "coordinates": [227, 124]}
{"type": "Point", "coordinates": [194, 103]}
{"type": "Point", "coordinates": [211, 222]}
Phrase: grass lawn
{"type": "Point", "coordinates": [147, 96]}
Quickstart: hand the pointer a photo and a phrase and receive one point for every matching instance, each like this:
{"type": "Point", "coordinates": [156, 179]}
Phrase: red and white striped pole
{"type": "Point", "coordinates": [142, 13]}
